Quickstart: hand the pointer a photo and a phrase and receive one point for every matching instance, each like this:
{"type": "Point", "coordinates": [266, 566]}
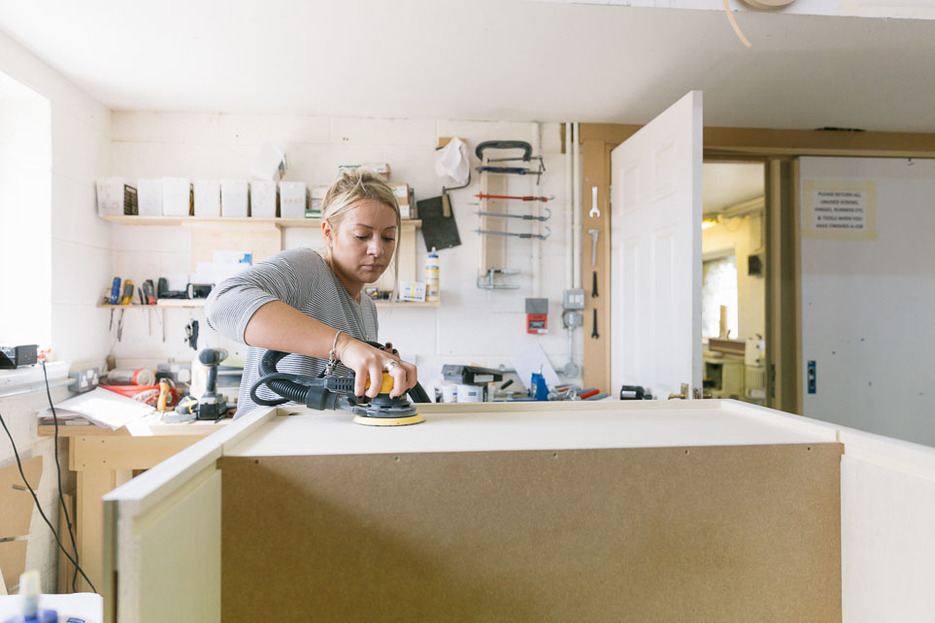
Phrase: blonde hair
{"type": "Point", "coordinates": [353, 186]}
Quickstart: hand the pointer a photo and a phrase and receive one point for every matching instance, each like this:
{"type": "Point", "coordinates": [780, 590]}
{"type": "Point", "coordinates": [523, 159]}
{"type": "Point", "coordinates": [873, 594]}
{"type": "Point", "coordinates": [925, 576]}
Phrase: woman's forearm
{"type": "Point", "coordinates": [278, 326]}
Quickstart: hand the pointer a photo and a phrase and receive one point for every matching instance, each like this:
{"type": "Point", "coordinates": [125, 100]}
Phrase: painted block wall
{"type": "Point", "coordinates": [867, 318]}
{"type": "Point", "coordinates": [80, 253]}
{"type": "Point", "coordinates": [471, 326]}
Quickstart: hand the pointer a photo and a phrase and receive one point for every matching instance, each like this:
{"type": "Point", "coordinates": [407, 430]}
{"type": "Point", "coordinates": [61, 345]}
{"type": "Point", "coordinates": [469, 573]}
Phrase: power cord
{"type": "Point", "coordinates": [32, 492]}
{"type": "Point", "coordinates": [58, 472]}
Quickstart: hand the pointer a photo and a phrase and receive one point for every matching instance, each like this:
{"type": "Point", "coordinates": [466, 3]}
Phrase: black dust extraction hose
{"type": "Point", "coordinates": [316, 393]}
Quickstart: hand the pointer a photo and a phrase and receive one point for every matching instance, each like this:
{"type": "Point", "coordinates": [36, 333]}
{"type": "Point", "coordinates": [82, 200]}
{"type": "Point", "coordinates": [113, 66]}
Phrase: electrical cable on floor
{"type": "Point", "coordinates": [58, 471]}
{"type": "Point", "coordinates": [19, 464]}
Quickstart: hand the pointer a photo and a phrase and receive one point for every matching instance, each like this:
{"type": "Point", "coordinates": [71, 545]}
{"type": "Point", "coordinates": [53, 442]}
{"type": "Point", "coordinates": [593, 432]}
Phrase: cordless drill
{"type": "Point", "coordinates": [211, 406]}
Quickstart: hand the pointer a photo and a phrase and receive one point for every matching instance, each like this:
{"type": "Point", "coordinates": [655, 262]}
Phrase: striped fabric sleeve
{"type": "Point", "coordinates": [284, 277]}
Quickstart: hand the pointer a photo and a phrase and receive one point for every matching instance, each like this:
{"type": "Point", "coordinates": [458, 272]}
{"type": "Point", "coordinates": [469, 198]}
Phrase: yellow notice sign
{"type": "Point", "coordinates": [839, 210]}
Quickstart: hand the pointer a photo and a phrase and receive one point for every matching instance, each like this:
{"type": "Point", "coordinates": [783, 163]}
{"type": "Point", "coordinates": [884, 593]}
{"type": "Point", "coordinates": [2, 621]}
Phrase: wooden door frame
{"type": "Point", "coordinates": [778, 149]}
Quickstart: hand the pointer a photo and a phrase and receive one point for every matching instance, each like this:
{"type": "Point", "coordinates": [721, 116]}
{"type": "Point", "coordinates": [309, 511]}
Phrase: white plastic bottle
{"type": "Point", "coordinates": [431, 276]}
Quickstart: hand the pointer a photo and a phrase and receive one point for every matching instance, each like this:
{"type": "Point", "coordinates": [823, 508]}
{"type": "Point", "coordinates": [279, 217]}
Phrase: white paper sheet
{"type": "Point", "coordinates": [99, 406]}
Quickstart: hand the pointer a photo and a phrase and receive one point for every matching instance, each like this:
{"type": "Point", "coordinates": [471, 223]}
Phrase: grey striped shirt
{"type": "Point", "coordinates": [300, 278]}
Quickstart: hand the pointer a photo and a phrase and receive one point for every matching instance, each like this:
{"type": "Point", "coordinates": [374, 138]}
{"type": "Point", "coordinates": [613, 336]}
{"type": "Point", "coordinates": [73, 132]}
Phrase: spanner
{"type": "Point", "coordinates": [595, 211]}
{"type": "Point", "coordinates": [594, 233]}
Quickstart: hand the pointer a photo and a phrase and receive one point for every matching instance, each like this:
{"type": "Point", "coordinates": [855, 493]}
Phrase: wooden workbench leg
{"type": "Point", "coordinates": [92, 485]}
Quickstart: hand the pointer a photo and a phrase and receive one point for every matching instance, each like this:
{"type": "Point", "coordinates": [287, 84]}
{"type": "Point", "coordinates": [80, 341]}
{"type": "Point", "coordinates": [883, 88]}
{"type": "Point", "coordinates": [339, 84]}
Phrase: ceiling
{"type": "Point", "coordinates": [486, 59]}
{"type": "Point", "coordinates": [503, 60]}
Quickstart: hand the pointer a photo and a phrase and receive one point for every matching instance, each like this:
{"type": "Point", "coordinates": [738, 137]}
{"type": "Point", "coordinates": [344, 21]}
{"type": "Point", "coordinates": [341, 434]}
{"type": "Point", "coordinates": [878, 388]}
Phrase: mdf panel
{"type": "Point", "coordinates": [727, 533]}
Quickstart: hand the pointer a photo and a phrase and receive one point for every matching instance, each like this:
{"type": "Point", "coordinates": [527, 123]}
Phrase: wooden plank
{"type": "Point", "coordinates": [595, 371]}
{"type": "Point", "coordinates": [66, 569]}
{"type": "Point", "coordinates": [15, 499]}
{"type": "Point", "coordinates": [12, 562]}
{"type": "Point", "coordinates": [127, 453]}
{"type": "Point", "coordinates": [653, 534]}
{"type": "Point", "coordinates": [772, 142]}
{"type": "Point", "coordinates": [92, 484]}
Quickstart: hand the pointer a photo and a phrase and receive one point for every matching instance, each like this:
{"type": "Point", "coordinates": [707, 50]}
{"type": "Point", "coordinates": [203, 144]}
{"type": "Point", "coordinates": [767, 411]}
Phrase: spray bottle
{"type": "Point", "coordinates": [431, 276]}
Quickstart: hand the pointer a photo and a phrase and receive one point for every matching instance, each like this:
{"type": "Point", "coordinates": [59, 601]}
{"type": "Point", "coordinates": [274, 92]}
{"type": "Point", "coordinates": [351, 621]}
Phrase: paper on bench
{"type": "Point", "coordinates": [99, 406]}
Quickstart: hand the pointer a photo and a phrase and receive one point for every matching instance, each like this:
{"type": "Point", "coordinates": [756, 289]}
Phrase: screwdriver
{"type": "Point", "coordinates": [127, 292]}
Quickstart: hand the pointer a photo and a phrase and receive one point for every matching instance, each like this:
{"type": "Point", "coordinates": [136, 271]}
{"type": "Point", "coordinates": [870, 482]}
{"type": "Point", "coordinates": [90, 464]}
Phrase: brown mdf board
{"type": "Point", "coordinates": [718, 533]}
{"type": "Point", "coordinates": [16, 504]}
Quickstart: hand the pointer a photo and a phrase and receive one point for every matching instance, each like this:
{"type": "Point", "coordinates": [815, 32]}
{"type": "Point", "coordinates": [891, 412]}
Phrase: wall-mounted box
{"type": "Point", "coordinates": [235, 198]}
{"type": "Point", "coordinates": [116, 197]}
{"type": "Point", "coordinates": [263, 194]}
{"type": "Point", "coordinates": [207, 198]}
{"type": "Point", "coordinates": [293, 199]}
{"type": "Point", "coordinates": [176, 196]}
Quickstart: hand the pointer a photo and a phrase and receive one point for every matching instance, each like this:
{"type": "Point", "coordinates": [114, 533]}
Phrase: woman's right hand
{"type": "Point", "coordinates": [369, 363]}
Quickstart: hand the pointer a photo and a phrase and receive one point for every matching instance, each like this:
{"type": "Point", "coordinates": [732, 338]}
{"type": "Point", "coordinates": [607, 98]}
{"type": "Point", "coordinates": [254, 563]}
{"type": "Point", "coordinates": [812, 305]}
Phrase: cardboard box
{"type": "Point", "coordinates": [177, 196]}
{"type": "Point", "coordinates": [401, 192]}
{"type": "Point", "coordinates": [149, 194]}
{"type": "Point", "coordinates": [207, 198]}
{"type": "Point", "coordinates": [116, 197]}
{"type": "Point", "coordinates": [235, 198]}
{"type": "Point", "coordinates": [293, 199]}
{"type": "Point", "coordinates": [317, 198]}
{"type": "Point", "coordinates": [380, 168]}
{"type": "Point", "coordinates": [263, 195]}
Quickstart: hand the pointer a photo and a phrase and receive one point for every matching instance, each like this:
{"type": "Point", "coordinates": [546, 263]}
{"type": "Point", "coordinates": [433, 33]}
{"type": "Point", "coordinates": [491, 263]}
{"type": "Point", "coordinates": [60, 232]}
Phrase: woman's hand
{"type": "Point", "coordinates": [369, 363]}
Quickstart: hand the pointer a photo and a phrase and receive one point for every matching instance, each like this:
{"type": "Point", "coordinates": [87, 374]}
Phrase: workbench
{"type": "Point", "coordinates": [103, 459]}
{"type": "Point", "coordinates": [703, 510]}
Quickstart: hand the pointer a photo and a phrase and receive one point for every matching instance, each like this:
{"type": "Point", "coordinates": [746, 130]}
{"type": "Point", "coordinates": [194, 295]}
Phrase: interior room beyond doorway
{"type": "Point", "coordinates": [734, 281]}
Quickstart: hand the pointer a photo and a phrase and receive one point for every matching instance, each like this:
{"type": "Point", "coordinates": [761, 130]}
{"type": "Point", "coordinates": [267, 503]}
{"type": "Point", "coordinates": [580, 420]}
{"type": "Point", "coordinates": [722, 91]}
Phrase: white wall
{"type": "Point", "coordinates": [471, 326]}
{"type": "Point", "coordinates": [867, 304]}
{"type": "Point", "coordinates": [80, 248]}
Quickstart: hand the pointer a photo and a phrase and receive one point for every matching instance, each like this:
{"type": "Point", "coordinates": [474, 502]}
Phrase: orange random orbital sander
{"type": "Point", "coordinates": [336, 392]}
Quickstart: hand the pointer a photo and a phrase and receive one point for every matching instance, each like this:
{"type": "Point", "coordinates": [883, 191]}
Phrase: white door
{"type": "Point", "coordinates": [656, 253]}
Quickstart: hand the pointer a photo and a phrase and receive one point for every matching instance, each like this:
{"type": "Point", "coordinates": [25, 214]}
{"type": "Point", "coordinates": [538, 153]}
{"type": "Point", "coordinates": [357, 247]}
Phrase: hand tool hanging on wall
{"type": "Point", "coordinates": [526, 157]}
{"type": "Point", "coordinates": [595, 211]}
{"type": "Point", "coordinates": [594, 332]}
{"type": "Point", "coordinates": [191, 334]}
{"type": "Point", "coordinates": [525, 217]}
{"type": "Point", "coordinates": [526, 198]}
{"type": "Point", "coordinates": [594, 233]}
{"type": "Point", "coordinates": [515, 235]}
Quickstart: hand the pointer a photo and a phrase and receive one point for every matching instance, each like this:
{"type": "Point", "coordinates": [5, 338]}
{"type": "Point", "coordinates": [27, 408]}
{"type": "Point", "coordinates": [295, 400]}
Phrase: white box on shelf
{"type": "Point", "coordinates": [412, 291]}
{"type": "Point", "coordinates": [149, 194]}
{"type": "Point", "coordinates": [317, 198]}
{"type": "Point", "coordinates": [207, 198]}
{"type": "Point", "coordinates": [263, 199]}
{"type": "Point", "coordinates": [176, 196]}
{"type": "Point", "coordinates": [293, 199]}
{"type": "Point", "coordinates": [115, 197]}
{"type": "Point", "coordinates": [234, 198]}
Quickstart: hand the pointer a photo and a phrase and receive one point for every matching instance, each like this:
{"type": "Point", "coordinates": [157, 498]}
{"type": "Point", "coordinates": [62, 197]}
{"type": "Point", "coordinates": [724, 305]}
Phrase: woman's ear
{"type": "Point", "coordinates": [327, 233]}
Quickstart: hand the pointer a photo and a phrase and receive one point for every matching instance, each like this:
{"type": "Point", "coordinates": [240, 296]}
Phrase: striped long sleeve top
{"type": "Point", "coordinates": [300, 278]}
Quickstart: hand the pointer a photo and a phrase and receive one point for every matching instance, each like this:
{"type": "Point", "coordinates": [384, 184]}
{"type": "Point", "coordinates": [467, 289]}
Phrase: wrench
{"type": "Point", "coordinates": [594, 233]}
{"type": "Point", "coordinates": [595, 211]}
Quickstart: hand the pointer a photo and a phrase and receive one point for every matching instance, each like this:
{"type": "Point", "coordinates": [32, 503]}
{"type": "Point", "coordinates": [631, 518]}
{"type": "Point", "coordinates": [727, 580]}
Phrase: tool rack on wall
{"type": "Point", "coordinates": [494, 213]}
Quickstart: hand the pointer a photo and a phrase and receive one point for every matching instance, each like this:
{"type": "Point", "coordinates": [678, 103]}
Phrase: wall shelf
{"type": "Point", "coordinates": [162, 304]}
{"type": "Point", "coordinates": [171, 221]}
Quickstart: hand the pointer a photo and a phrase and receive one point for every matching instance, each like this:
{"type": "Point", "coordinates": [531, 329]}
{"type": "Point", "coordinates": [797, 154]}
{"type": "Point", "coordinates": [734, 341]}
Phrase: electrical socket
{"type": "Point", "coordinates": [83, 380]}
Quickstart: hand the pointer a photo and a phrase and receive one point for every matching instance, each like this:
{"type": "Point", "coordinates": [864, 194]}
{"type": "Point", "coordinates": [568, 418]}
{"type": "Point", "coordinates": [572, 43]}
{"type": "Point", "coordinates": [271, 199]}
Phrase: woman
{"type": "Point", "coordinates": [311, 304]}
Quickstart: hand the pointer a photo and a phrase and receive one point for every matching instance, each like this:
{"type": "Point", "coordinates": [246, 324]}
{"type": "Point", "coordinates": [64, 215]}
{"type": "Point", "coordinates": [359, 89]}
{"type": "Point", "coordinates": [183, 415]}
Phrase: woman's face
{"type": "Point", "coordinates": [361, 244]}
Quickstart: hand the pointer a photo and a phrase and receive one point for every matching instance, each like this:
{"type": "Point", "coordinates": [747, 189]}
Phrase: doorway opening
{"type": "Point", "coordinates": [733, 298]}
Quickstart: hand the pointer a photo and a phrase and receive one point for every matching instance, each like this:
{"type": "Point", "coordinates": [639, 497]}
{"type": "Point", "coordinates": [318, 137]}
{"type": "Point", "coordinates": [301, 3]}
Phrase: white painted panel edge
{"type": "Point", "coordinates": [151, 487]}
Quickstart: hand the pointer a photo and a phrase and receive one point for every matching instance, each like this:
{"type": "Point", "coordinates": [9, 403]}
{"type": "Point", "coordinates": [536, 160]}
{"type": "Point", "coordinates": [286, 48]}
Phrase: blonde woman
{"type": "Point", "coordinates": [312, 304]}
